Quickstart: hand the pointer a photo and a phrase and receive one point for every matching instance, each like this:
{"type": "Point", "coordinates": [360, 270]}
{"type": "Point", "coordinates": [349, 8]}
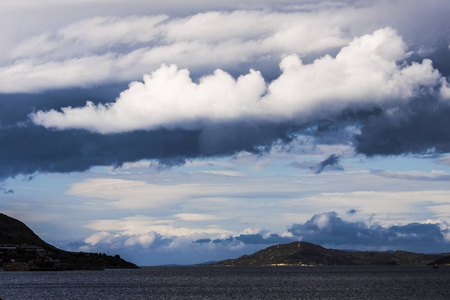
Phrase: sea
{"type": "Point", "coordinates": [323, 282]}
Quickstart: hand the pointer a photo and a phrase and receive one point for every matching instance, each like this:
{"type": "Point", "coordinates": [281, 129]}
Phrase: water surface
{"type": "Point", "coordinates": [231, 283]}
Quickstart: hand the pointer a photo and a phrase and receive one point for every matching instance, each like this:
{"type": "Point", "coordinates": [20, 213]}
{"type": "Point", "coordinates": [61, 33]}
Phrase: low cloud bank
{"type": "Point", "coordinates": [326, 229]}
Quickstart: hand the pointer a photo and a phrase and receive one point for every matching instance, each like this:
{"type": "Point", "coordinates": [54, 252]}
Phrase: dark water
{"type": "Point", "coordinates": [231, 283]}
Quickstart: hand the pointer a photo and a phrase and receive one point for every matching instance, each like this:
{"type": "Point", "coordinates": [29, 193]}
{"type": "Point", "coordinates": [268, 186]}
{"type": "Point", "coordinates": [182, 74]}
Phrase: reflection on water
{"type": "Point", "coordinates": [231, 283]}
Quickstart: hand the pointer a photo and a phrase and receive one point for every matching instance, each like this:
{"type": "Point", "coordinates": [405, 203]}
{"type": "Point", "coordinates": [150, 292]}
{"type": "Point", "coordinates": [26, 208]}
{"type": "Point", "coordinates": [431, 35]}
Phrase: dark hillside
{"type": "Point", "coordinates": [308, 254]}
{"type": "Point", "coordinates": [22, 249]}
{"type": "Point", "coordinates": [13, 231]}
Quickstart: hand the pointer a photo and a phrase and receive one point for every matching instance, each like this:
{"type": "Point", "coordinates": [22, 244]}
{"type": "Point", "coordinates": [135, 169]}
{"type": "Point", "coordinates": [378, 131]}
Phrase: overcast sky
{"type": "Point", "coordinates": [173, 132]}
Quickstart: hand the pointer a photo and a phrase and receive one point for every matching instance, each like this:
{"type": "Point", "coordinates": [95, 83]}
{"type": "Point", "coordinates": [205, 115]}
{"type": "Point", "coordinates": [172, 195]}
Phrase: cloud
{"type": "Point", "coordinates": [141, 225]}
{"type": "Point", "coordinates": [331, 162]}
{"type": "Point", "coordinates": [421, 126]}
{"type": "Point", "coordinates": [143, 236]}
{"type": "Point", "coordinates": [401, 200]}
{"type": "Point", "coordinates": [92, 35]}
{"type": "Point", "coordinates": [197, 217]}
{"type": "Point", "coordinates": [419, 176]}
{"type": "Point", "coordinates": [273, 111]}
{"type": "Point", "coordinates": [124, 43]}
{"type": "Point", "coordinates": [364, 73]}
{"type": "Point", "coordinates": [114, 241]}
{"type": "Point", "coordinates": [250, 239]}
{"type": "Point", "coordinates": [445, 160]}
{"type": "Point", "coordinates": [4, 189]}
{"type": "Point", "coordinates": [122, 49]}
{"type": "Point", "coordinates": [328, 229]}
{"type": "Point", "coordinates": [166, 98]}
{"type": "Point", "coordinates": [77, 150]}
{"type": "Point", "coordinates": [149, 192]}
{"type": "Point", "coordinates": [161, 238]}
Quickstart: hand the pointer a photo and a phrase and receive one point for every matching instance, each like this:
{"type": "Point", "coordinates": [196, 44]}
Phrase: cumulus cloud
{"type": "Point", "coordinates": [114, 241]}
{"type": "Point", "coordinates": [363, 73]}
{"type": "Point", "coordinates": [145, 231]}
{"type": "Point", "coordinates": [83, 53]}
{"type": "Point", "coordinates": [167, 97]}
{"type": "Point", "coordinates": [329, 229]}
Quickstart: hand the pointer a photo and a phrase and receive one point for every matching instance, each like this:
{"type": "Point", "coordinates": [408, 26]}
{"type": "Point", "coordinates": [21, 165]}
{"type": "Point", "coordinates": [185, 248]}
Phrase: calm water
{"type": "Point", "coordinates": [231, 283]}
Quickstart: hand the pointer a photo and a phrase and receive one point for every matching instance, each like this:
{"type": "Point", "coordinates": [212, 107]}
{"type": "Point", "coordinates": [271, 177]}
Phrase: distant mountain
{"type": "Point", "coordinates": [308, 254]}
{"type": "Point", "coordinates": [22, 249]}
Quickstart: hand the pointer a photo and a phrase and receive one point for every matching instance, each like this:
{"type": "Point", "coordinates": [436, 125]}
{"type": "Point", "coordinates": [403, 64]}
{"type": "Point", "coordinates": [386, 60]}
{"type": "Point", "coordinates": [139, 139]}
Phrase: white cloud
{"type": "Point", "coordinates": [144, 240]}
{"type": "Point", "coordinates": [250, 30]}
{"type": "Point", "coordinates": [168, 94]}
{"type": "Point", "coordinates": [132, 193]}
{"type": "Point", "coordinates": [122, 49]}
{"type": "Point", "coordinates": [180, 198]}
{"type": "Point", "coordinates": [91, 36]}
{"type": "Point", "coordinates": [144, 231]}
{"type": "Point", "coordinates": [389, 207]}
{"type": "Point", "coordinates": [445, 90]}
{"type": "Point", "coordinates": [324, 228]}
{"type": "Point", "coordinates": [197, 217]}
{"type": "Point", "coordinates": [106, 237]}
{"type": "Point", "coordinates": [129, 42]}
{"type": "Point", "coordinates": [445, 160]}
{"type": "Point", "coordinates": [365, 71]}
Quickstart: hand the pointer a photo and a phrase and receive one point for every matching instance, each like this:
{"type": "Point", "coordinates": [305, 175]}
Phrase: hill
{"type": "Point", "coordinates": [308, 254]}
{"type": "Point", "coordinates": [22, 249]}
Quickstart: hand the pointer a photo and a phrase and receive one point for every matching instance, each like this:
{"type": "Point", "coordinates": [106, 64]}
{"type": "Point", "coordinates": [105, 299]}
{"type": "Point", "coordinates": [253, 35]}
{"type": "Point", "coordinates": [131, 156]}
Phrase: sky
{"type": "Point", "coordinates": [175, 132]}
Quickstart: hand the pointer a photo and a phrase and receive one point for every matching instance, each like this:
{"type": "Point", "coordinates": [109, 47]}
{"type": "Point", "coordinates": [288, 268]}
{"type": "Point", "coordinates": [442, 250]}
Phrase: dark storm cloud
{"type": "Point", "coordinates": [15, 108]}
{"type": "Point", "coordinates": [331, 162]}
{"type": "Point", "coordinates": [329, 229]}
{"type": "Point", "coordinates": [422, 126]}
{"type": "Point", "coordinates": [29, 149]}
{"type": "Point", "coordinates": [26, 150]}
